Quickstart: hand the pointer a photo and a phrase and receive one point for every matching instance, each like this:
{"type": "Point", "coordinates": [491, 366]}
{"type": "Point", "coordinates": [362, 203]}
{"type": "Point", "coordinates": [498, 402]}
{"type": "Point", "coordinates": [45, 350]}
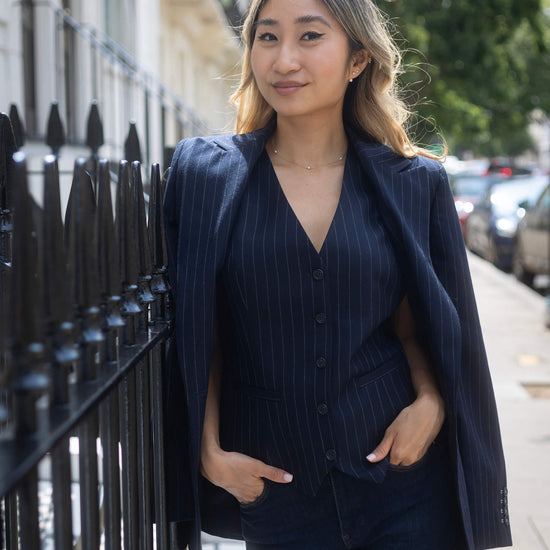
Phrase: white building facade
{"type": "Point", "coordinates": [169, 65]}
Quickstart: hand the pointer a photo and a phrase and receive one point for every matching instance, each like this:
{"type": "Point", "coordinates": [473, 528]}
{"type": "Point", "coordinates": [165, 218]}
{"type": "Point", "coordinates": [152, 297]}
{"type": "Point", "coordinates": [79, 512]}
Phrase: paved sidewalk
{"type": "Point", "coordinates": [518, 347]}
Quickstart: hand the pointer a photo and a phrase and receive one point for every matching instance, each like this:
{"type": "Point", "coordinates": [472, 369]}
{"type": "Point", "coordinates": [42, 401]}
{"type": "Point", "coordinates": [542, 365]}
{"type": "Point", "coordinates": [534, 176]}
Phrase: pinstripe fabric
{"type": "Point", "coordinates": [290, 412]}
{"type": "Point", "coordinates": [415, 204]}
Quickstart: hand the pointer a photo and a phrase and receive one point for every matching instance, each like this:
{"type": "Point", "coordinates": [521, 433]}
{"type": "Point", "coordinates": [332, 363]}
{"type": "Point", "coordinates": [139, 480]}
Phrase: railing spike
{"type": "Point", "coordinates": [109, 269]}
{"type": "Point", "coordinates": [7, 148]}
{"type": "Point", "coordinates": [25, 294]}
{"type": "Point", "coordinates": [56, 303]}
{"type": "Point", "coordinates": [26, 337]}
{"type": "Point", "coordinates": [140, 219]}
{"type": "Point", "coordinates": [94, 134]}
{"type": "Point", "coordinates": [127, 251]}
{"type": "Point", "coordinates": [55, 134]}
{"type": "Point", "coordinates": [159, 284]}
{"type": "Point", "coordinates": [57, 308]}
{"type": "Point", "coordinates": [94, 140]}
{"type": "Point", "coordinates": [81, 232]}
{"type": "Point", "coordinates": [81, 226]}
{"type": "Point", "coordinates": [142, 245]}
{"type": "Point", "coordinates": [132, 148]}
{"type": "Point", "coordinates": [17, 125]}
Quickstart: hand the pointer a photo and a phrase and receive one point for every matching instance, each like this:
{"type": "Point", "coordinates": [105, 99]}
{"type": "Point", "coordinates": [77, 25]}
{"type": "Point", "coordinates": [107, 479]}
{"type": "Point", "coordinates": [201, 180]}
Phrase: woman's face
{"type": "Point", "coordinates": [301, 58]}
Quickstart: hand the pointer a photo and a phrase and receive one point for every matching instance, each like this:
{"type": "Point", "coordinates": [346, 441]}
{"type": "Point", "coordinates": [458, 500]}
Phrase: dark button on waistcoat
{"type": "Point", "coordinates": [321, 362]}
{"type": "Point", "coordinates": [318, 274]}
{"type": "Point", "coordinates": [330, 454]}
{"type": "Point", "coordinates": [322, 408]}
{"type": "Point", "coordinates": [321, 318]}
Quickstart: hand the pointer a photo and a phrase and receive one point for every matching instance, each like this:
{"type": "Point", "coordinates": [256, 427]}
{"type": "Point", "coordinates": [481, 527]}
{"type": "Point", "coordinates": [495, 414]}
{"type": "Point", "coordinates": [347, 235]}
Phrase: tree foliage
{"type": "Point", "coordinates": [476, 69]}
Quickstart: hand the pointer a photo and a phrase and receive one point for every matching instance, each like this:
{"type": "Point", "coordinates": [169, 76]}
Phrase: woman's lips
{"type": "Point", "coordinates": [287, 88]}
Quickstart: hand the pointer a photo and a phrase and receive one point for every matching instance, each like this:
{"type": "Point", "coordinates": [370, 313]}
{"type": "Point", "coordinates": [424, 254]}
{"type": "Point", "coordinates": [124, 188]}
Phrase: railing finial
{"type": "Point", "coordinates": [55, 135]}
{"type": "Point", "coordinates": [17, 125]}
{"type": "Point", "coordinates": [94, 133]}
{"type": "Point", "coordinates": [132, 148]}
{"type": "Point", "coordinates": [7, 148]}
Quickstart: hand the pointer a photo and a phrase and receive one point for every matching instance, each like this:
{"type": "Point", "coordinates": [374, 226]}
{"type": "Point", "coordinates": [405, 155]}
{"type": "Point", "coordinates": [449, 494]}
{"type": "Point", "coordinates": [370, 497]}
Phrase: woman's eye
{"type": "Point", "coordinates": [309, 36]}
{"type": "Point", "coordinates": [267, 37]}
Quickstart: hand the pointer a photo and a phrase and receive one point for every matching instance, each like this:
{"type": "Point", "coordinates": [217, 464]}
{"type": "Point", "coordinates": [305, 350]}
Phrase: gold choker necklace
{"type": "Point", "coordinates": [308, 167]}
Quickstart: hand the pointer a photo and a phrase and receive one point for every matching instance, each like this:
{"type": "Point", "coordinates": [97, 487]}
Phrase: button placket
{"type": "Point", "coordinates": [319, 274]}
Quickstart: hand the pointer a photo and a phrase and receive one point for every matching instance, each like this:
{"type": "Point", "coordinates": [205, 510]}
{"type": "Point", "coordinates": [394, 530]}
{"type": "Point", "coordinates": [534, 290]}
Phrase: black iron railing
{"type": "Point", "coordinates": [84, 321]}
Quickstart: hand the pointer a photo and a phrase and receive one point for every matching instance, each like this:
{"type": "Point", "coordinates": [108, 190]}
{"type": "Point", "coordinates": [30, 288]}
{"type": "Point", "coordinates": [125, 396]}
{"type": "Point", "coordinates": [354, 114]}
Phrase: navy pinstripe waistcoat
{"type": "Point", "coordinates": [206, 181]}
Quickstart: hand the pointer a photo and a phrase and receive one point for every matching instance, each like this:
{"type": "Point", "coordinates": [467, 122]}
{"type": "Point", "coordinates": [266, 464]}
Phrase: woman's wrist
{"type": "Point", "coordinates": [433, 399]}
{"type": "Point", "coordinates": [210, 446]}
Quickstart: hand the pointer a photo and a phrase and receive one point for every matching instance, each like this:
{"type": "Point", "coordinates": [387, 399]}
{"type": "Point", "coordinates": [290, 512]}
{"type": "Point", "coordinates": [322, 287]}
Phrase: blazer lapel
{"type": "Point", "coordinates": [243, 151]}
{"type": "Point", "coordinates": [404, 192]}
{"type": "Point", "coordinates": [390, 176]}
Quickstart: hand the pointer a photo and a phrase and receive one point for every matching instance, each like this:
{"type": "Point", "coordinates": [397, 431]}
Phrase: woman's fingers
{"type": "Point", "coordinates": [247, 476]}
{"type": "Point", "coordinates": [383, 447]}
{"type": "Point", "coordinates": [411, 433]}
{"type": "Point", "coordinates": [257, 468]}
{"type": "Point", "coordinates": [275, 474]}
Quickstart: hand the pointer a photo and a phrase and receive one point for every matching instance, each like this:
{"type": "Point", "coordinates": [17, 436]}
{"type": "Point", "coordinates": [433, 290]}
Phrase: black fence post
{"type": "Point", "coordinates": [62, 352]}
{"type": "Point", "coordinates": [29, 381]}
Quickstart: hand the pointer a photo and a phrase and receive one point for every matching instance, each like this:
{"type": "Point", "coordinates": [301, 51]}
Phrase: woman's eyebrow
{"type": "Point", "coordinates": [304, 19]}
{"type": "Point", "coordinates": [267, 22]}
{"type": "Point", "coordinates": [312, 19]}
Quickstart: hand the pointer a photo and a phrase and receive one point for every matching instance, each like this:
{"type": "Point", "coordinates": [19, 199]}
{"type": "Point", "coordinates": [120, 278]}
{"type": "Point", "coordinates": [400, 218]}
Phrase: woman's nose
{"type": "Point", "coordinates": [287, 59]}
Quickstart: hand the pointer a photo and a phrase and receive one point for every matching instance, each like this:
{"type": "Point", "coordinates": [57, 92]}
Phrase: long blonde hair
{"type": "Point", "coordinates": [372, 102]}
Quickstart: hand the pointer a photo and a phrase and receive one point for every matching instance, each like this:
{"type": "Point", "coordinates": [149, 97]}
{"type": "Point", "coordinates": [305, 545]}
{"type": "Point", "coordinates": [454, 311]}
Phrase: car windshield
{"type": "Point", "coordinates": [507, 195]}
{"type": "Point", "coordinates": [469, 186]}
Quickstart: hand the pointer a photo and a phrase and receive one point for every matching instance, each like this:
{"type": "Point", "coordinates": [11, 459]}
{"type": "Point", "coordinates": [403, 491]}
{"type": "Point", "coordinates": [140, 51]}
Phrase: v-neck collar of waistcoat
{"type": "Point", "coordinates": [385, 172]}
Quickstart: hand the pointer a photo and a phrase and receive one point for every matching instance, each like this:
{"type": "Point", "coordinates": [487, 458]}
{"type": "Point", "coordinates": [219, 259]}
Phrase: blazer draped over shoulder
{"type": "Point", "coordinates": [206, 182]}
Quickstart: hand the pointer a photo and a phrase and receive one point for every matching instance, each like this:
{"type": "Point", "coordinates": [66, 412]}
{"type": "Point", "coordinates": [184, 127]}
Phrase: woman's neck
{"type": "Point", "coordinates": [310, 142]}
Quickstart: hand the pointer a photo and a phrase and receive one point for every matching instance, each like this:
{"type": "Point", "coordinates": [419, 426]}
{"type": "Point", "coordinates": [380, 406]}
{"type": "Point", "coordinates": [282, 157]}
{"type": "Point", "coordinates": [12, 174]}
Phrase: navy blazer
{"type": "Point", "coordinates": [207, 179]}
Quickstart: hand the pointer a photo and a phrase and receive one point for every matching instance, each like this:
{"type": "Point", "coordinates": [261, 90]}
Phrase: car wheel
{"type": "Point", "coordinates": [520, 272]}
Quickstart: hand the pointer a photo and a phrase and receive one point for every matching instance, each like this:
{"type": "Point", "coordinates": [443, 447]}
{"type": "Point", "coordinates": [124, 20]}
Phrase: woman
{"type": "Point", "coordinates": [336, 385]}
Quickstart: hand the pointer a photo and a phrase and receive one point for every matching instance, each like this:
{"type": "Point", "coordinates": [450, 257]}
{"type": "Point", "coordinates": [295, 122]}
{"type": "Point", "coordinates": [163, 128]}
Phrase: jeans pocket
{"type": "Point", "coordinates": [258, 500]}
{"type": "Point", "coordinates": [415, 465]}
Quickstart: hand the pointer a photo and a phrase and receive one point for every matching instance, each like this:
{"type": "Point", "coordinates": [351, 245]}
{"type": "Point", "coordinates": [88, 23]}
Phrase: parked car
{"type": "Point", "coordinates": [532, 245]}
{"type": "Point", "coordinates": [491, 227]}
{"type": "Point", "coordinates": [468, 189]}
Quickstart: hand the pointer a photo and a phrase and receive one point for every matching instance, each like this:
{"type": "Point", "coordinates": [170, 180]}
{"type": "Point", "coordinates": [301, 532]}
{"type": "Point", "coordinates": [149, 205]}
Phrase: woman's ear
{"type": "Point", "coordinates": [359, 60]}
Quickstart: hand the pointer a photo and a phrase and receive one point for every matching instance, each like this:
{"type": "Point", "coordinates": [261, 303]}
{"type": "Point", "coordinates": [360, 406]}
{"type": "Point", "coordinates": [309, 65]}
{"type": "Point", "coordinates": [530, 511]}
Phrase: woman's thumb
{"type": "Point", "coordinates": [382, 449]}
{"type": "Point", "coordinates": [276, 474]}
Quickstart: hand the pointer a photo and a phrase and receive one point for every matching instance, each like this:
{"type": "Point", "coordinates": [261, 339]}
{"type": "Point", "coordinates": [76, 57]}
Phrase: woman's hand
{"type": "Point", "coordinates": [239, 474]}
{"type": "Point", "coordinates": [408, 437]}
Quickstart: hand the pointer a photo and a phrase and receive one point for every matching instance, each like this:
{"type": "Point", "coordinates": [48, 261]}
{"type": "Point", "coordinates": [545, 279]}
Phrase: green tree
{"type": "Point", "coordinates": [471, 68]}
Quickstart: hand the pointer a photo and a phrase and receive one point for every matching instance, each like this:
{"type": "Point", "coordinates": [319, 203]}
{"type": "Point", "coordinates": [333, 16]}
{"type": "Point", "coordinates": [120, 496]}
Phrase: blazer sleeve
{"type": "Point", "coordinates": [479, 444]}
{"type": "Point", "coordinates": [179, 500]}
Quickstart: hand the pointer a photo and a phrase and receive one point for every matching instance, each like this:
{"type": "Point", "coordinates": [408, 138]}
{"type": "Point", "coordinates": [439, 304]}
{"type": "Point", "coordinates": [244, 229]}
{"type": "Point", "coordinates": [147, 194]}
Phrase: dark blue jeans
{"type": "Point", "coordinates": [414, 508]}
